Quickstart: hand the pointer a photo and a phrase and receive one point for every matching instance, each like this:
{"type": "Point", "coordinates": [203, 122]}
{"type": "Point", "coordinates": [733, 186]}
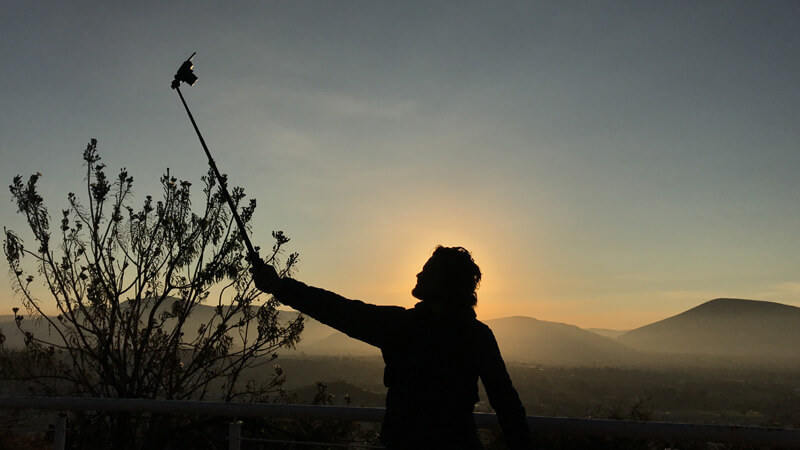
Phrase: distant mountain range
{"type": "Point", "coordinates": [528, 340]}
{"type": "Point", "coordinates": [718, 328]}
{"type": "Point", "coordinates": [724, 327]}
{"type": "Point", "coordinates": [521, 339]}
{"type": "Point", "coordinates": [607, 332]}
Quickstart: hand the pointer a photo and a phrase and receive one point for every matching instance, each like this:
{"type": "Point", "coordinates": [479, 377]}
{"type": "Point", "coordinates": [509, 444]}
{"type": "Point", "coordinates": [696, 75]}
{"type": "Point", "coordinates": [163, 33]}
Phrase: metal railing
{"type": "Point", "coordinates": [656, 431]}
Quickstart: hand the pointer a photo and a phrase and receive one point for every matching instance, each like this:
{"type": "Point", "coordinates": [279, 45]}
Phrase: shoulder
{"type": "Point", "coordinates": [483, 337]}
{"type": "Point", "coordinates": [481, 328]}
{"type": "Point", "coordinates": [476, 334]}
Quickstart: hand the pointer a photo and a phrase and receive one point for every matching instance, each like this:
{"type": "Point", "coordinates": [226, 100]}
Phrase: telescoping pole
{"type": "Point", "coordinates": [186, 75]}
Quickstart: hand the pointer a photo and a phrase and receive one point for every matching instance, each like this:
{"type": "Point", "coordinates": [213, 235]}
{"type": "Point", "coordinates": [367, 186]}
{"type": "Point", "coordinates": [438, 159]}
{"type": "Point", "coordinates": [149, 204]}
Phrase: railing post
{"type": "Point", "coordinates": [235, 435]}
{"type": "Point", "coordinates": [60, 432]}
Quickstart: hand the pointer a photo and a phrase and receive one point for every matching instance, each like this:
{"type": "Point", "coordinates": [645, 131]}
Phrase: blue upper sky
{"type": "Point", "coordinates": [608, 163]}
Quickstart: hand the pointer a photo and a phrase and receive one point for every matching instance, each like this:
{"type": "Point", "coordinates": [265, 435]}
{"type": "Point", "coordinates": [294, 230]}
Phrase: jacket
{"type": "Point", "coordinates": [433, 362]}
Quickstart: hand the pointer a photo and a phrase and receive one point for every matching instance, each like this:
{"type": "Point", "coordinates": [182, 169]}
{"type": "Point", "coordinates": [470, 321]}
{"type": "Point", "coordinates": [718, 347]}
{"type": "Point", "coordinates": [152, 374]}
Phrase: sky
{"type": "Point", "coordinates": [609, 164]}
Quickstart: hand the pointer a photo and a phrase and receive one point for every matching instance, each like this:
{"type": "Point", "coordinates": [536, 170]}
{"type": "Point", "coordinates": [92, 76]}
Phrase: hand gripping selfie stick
{"type": "Point", "coordinates": [185, 74]}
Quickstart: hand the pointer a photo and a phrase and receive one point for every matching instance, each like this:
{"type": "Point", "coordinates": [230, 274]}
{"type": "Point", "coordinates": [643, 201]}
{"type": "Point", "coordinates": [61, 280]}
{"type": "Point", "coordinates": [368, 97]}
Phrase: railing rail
{"type": "Point", "coordinates": [658, 431]}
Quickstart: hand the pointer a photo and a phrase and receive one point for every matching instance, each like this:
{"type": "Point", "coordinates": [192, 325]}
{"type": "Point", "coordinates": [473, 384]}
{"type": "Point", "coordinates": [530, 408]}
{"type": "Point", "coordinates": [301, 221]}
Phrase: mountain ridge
{"type": "Point", "coordinates": [721, 327]}
{"type": "Point", "coordinates": [724, 326]}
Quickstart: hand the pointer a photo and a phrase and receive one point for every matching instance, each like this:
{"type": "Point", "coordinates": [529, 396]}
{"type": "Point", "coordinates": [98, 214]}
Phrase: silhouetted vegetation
{"type": "Point", "coordinates": [125, 279]}
{"type": "Point", "coordinates": [744, 396]}
{"type": "Point", "coordinates": [284, 432]}
{"type": "Point", "coordinates": [726, 395]}
{"type": "Point", "coordinates": [16, 435]}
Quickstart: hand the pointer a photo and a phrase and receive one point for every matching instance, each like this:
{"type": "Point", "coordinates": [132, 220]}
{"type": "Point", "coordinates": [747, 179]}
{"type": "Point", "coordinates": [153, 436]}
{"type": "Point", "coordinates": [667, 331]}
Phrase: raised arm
{"type": "Point", "coordinates": [503, 397]}
{"type": "Point", "coordinates": [365, 322]}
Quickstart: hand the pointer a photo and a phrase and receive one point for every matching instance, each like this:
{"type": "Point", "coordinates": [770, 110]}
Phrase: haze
{"type": "Point", "coordinates": [609, 164]}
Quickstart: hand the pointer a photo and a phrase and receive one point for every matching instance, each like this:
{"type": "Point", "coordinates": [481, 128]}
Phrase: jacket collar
{"type": "Point", "coordinates": [437, 311]}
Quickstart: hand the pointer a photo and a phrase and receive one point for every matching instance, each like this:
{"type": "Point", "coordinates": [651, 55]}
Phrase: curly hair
{"type": "Point", "coordinates": [459, 273]}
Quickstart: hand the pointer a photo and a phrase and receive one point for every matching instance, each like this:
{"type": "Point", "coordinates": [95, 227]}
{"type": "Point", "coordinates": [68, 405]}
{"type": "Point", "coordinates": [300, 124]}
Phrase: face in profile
{"type": "Point", "coordinates": [429, 281]}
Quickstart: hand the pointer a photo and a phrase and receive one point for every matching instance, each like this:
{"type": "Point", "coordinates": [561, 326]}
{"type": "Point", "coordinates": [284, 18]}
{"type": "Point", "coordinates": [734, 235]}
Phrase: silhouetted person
{"type": "Point", "coordinates": [434, 353]}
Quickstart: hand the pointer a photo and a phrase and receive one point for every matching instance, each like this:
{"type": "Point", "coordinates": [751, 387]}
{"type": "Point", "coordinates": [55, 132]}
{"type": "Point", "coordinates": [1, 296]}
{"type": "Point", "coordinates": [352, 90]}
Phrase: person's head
{"type": "Point", "coordinates": [449, 278]}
